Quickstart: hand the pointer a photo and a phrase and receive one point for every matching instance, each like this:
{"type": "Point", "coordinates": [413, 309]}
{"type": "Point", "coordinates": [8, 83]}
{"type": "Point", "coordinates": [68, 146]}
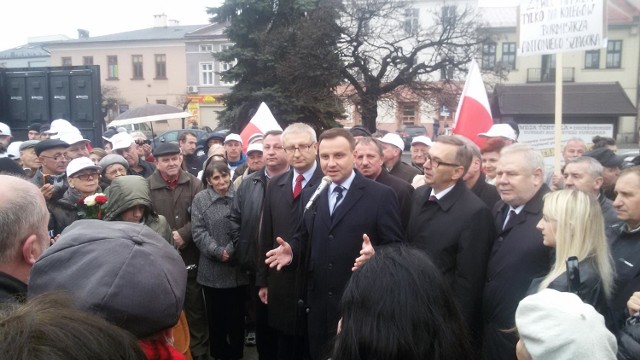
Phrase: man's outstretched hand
{"type": "Point", "coordinates": [280, 256]}
{"type": "Point", "coordinates": [365, 254]}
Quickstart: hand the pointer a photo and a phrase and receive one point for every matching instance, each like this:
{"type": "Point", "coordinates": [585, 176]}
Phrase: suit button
{"type": "Point", "coordinates": [307, 310]}
{"type": "Point", "coordinates": [489, 279]}
{"type": "Point", "coordinates": [330, 266]}
{"type": "Point", "coordinates": [330, 293]}
{"type": "Point", "coordinates": [500, 238]}
{"type": "Point", "coordinates": [330, 237]}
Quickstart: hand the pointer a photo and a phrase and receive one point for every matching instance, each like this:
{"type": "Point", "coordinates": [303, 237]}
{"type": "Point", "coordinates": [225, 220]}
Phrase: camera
{"type": "Point", "coordinates": [47, 179]}
{"type": "Point", "coordinates": [142, 142]}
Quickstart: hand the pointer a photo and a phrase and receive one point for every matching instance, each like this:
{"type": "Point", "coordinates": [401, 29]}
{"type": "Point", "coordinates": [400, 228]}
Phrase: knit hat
{"type": "Point", "coordinates": [558, 325]}
{"type": "Point", "coordinates": [123, 272]}
{"type": "Point", "coordinates": [111, 159]}
{"type": "Point", "coordinates": [606, 157]}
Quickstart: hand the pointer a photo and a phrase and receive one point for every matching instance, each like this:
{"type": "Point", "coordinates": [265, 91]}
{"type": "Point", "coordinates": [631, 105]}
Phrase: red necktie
{"type": "Point", "coordinates": [297, 189]}
{"type": "Point", "coordinates": [433, 198]}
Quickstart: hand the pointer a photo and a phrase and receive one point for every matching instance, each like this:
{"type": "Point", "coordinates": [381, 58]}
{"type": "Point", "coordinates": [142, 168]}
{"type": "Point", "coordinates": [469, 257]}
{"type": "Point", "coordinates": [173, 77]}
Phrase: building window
{"type": "Point", "coordinates": [449, 16]}
{"type": "Point", "coordinates": [509, 55]}
{"type": "Point", "coordinates": [409, 111]}
{"type": "Point", "coordinates": [66, 61]}
{"type": "Point", "coordinates": [206, 73]}
{"type": "Point", "coordinates": [87, 60]}
{"type": "Point", "coordinates": [160, 101]}
{"type": "Point", "coordinates": [137, 66]}
{"type": "Point", "coordinates": [411, 21]}
{"type": "Point", "coordinates": [446, 71]}
{"type": "Point", "coordinates": [489, 55]}
{"type": "Point", "coordinates": [112, 67]}
{"type": "Point", "coordinates": [614, 53]}
{"type": "Point", "coordinates": [206, 48]}
{"type": "Point", "coordinates": [592, 59]}
{"type": "Point", "coordinates": [161, 66]}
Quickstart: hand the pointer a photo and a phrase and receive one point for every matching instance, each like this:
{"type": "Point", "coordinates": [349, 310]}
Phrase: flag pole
{"type": "Point", "coordinates": [558, 116]}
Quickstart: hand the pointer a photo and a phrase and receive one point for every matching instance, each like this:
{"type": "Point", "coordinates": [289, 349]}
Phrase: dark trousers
{"type": "Point", "coordinates": [194, 308]}
{"type": "Point", "coordinates": [291, 347]}
{"type": "Point", "coordinates": [226, 326]}
{"type": "Point", "coordinates": [266, 339]}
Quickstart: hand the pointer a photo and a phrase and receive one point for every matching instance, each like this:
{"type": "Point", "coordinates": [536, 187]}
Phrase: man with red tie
{"type": "Point", "coordinates": [350, 217]}
{"type": "Point", "coordinates": [282, 211]}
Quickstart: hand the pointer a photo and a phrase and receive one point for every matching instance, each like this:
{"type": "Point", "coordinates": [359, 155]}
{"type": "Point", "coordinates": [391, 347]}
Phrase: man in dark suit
{"type": "Point", "coordinates": [453, 226]}
{"type": "Point", "coordinates": [350, 215]}
{"type": "Point", "coordinates": [369, 161]}
{"type": "Point", "coordinates": [282, 211]}
{"type": "Point", "coordinates": [475, 178]}
{"type": "Point", "coordinates": [625, 248]}
{"type": "Point", "coordinates": [518, 254]}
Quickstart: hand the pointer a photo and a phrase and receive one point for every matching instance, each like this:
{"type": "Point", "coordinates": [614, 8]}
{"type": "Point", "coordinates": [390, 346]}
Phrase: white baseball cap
{"type": "Point", "coordinates": [121, 141]}
{"type": "Point", "coordinates": [73, 137]}
{"type": "Point", "coordinates": [59, 126]}
{"type": "Point", "coordinates": [500, 130]}
{"type": "Point", "coordinates": [233, 137]}
{"type": "Point", "coordinates": [5, 130]}
{"type": "Point", "coordinates": [393, 139]}
{"type": "Point", "coordinates": [421, 139]}
{"type": "Point", "coordinates": [81, 163]}
{"type": "Point", "coordinates": [254, 147]}
{"type": "Point", "coordinates": [13, 150]}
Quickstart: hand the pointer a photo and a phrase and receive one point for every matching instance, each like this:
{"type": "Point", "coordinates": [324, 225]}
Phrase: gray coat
{"type": "Point", "coordinates": [210, 227]}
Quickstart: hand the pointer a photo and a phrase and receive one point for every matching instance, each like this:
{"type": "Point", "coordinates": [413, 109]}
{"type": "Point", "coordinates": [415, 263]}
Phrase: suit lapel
{"type": "Point", "coordinates": [355, 192]}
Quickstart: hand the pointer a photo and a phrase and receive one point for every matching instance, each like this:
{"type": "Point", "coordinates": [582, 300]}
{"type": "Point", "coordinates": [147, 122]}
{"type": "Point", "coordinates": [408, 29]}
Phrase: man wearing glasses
{"type": "Point", "coordinates": [453, 226]}
{"type": "Point", "coordinates": [281, 216]}
{"type": "Point", "coordinates": [51, 178]}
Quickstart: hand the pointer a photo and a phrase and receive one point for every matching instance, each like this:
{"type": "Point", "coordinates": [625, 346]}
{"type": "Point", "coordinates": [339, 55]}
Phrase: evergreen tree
{"type": "Point", "coordinates": [285, 54]}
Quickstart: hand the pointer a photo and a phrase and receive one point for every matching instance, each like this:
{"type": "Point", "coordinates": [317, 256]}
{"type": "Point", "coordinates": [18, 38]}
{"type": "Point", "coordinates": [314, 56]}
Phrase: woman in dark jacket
{"type": "Point", "coordinates": [223, 282]}
{"type": "Point", "coordinates": [83, 176]}
{"type": "Point", "coordinates": [573, 224]}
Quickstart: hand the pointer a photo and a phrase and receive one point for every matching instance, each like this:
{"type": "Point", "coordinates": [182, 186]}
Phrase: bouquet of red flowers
{"type": "Point", "coordinates": [93, 206]}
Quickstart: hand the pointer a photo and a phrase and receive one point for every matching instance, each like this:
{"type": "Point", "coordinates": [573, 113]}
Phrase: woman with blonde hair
{"type": "Point", "coordinates": [573, 224]}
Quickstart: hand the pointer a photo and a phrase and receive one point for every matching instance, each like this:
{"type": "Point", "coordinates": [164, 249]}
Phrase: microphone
{"type": "Point", "coordinates": [325, 182]}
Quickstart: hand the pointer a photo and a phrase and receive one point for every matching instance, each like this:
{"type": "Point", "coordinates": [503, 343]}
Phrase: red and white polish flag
{"type": "Point", "coordinates": [259, 124]}
{"type": "Point", "coordinates": [474, 114]}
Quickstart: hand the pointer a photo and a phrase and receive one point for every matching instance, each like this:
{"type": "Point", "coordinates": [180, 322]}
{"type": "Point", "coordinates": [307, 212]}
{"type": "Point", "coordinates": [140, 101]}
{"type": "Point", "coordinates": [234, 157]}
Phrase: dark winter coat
{"type": "Point", "coordinates": [175, 206]}
{"type": "Point", "coordinates": [518, 256]}
{"type": "Point", "coordinates": [281, 217]}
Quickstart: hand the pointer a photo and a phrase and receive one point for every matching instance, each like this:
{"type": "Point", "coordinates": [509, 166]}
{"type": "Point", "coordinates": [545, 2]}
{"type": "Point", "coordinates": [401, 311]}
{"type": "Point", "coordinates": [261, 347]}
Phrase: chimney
{"type": "Point", "coordinates": [160, 20]}
{"type": "Point", "coordinates": [83, 34]}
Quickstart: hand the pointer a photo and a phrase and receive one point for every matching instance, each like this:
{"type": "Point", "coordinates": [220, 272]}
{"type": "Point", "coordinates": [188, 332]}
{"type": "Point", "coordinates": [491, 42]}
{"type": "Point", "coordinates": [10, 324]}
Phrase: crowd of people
{"type": "Point", "coordinates": [316, 247]}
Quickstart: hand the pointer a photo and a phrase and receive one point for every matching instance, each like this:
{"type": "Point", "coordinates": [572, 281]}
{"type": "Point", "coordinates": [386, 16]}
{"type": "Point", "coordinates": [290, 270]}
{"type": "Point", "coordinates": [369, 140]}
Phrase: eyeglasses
{"type": "Point", "coordinates": [301, 148]}
{"type": "Point", "coordinates": [87, 176]}
{"type": "Point", "coordinates": [56, 157]}
{"type": "Point", "coordinates": [115, 172]}
{"type": "Point", "coordinates": [436, 162]}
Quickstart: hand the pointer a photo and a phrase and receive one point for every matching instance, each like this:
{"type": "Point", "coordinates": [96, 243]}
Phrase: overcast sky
{"type": "Point", "coordinates": [21, 19]}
